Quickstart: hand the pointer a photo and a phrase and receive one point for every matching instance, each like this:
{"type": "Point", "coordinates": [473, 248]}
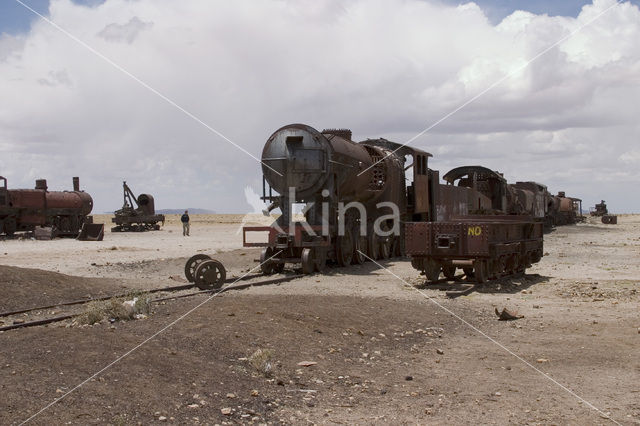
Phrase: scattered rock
{"type": "Point", "coordinates": [439, 351]}
{"type": "Point", "coordinates": [225, 411]}
{"type": "Point", "coordinates": [408, 378]}
{"type": "Point", "coordinates": [18, 321]}
{"type": "Point", "coordinates": [162, 418]}
{"type": "Point", "coordinates": [541, 360]}
{"type": "Point", "coordinates": [506, 315]}
{"type": "Point", "coordinates": [231, 395]}
{"type": "Point", "coordinates": [306, 363]}
{"type": "Point", "coordinates": [193, 406]}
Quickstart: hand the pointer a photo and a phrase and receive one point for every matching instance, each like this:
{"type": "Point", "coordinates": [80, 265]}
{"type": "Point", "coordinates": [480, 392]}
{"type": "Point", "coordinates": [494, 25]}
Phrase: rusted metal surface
{"type": "Point", "coordinates": [25, 209]}
{"type": "Point", "coordinates": [609, 219]}
{"type": "Point", "coordinates": [481, 227]}
{"type": "Point", "coordinates": [92, 232]}
{"type": "Point", "coordinates": [599, 209]}
{"type": "Point", "coordinates": [137, 213]}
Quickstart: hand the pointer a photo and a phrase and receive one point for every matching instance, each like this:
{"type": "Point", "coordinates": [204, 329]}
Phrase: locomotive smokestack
{"type": "Point", "coordinates": [41, 184]}
{"type": "Point", "coordinates": [76, 183]}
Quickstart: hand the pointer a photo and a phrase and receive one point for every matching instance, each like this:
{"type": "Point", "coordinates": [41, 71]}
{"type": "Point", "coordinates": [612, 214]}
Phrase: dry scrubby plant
{"type": "Point", "coordinates": [261, 361]}
{"type": "Point", "coordinates": [115, 309]}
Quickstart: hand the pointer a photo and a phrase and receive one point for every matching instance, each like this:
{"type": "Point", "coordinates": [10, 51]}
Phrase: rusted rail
{"type": "Point", "coordinates": [99, 299]}
{"type": "Point", "coordinates": [222, 290]}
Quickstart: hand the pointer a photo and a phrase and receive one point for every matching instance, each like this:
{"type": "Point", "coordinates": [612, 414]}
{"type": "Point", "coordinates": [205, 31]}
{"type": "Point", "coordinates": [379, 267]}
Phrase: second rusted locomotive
{"type": "Point", "coordinates": [25, 209]}
{"type": "Point", "coordinates": [484, 226]}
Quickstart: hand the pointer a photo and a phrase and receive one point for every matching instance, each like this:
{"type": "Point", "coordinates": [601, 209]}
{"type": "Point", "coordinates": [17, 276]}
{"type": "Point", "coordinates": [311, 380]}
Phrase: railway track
{"type": "Point", "coordinates": [59, 318]}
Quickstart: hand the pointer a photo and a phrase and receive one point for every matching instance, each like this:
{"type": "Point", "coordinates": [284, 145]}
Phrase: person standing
{"type": "Point", "coordinates": [185, 223]}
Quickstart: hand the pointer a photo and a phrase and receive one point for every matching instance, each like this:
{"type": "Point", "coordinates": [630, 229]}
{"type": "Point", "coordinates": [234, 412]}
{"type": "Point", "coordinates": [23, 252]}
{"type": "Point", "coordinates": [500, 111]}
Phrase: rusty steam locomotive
{"type": "Point", "coordinates": [25, 209]}
{"type": "Point", "coordinates": [359, 206]}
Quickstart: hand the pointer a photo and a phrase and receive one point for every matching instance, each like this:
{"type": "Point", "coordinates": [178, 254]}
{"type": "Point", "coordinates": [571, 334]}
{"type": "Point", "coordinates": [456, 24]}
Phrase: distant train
{"type": "Point", "coordinates": [25, 209]}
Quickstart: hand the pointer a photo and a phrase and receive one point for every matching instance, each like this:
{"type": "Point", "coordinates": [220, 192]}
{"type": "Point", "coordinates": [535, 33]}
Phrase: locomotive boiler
{"type": "Point", "coordinates": [25, 209]}
{"type": "Point", "coordinates": [349, 189]}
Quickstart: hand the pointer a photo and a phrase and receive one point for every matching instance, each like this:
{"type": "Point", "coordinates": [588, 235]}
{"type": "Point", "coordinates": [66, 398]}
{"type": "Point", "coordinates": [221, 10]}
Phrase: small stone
{"type": "Point", "coordinates": [231, 395]}
{"type": "Point", "coordinates": [439, 351]}
{"type": "Point", "coordinates": [225, 411]}
{"type": "Point", "coordinates": [541, 360]}
{"type": "Point", "coordinates": [306, 363]}
{"type": "Point", "coordinates": [162, 418]}
{"type": "Point", "coordinates": [497, 394]}
{"type": "Point", "coordinates": [193, 406]}
{"type": "Point", "coordinates": [254, 392]}
{"type": "Point", "coordinates": [408, 378]}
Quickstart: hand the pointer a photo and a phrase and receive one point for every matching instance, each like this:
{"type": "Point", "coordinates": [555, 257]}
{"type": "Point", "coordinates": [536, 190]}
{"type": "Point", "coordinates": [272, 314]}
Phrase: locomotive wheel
{"type": "Point", "coordinates": [210, 275]}
{"type": "Point", "coordinates": [267, 266]}
{"type": "Point", "coordinates": [449, 271]}
{"type": "Point", "coordinates": [396, 250]}
{"type": "Point", "coordinates": [192, 264]}
{"type": "Point", "coordinates": [308, 264]}
{"type": "Point", "coordinates": [360, 250]}
{"type": "Point", "coordinates": [468, 272]}
{"type": "Point", "coordinates": [480, 270]}
{"type": "Point", "coordinates": [344, 248]}
{"type": "Point", "coordinates": [320, 259]}
{"type": "Point", "coordinates": [10, 226]}
{"type": "Point", "coordinates": [432, 269]}
{"type": "Point", "coordinates": [501, 265]}
{"type": "Point", "coordinates": [384, 247]}
{"type": "Point", "coordinates": [385, 244]}
{"type": "Point", "coordinates": [373, 246]}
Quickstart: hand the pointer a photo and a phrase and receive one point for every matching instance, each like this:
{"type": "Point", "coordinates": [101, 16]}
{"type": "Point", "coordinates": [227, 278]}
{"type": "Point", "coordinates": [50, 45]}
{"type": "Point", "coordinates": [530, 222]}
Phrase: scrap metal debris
{"type": "Point", "coordinates": [506, 315]}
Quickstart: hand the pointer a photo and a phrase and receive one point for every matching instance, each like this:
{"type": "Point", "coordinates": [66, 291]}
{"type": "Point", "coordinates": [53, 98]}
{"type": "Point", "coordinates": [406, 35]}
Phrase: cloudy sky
{"type": "Point", "coordinates": [391, 68]}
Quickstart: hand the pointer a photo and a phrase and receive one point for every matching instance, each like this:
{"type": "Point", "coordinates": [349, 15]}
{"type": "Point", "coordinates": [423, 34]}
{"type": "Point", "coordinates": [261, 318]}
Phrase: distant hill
{"type": "Point", "coordinates": [180, 211]}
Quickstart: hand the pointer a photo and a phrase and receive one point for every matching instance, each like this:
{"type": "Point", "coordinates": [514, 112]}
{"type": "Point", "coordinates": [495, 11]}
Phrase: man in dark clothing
{"type": "Point", "coordinates": [185, 223]}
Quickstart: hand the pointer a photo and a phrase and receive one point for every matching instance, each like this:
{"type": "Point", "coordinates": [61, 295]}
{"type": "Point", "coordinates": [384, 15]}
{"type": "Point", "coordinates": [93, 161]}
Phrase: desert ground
{"type": "Point", "coordinates": [367, 344]}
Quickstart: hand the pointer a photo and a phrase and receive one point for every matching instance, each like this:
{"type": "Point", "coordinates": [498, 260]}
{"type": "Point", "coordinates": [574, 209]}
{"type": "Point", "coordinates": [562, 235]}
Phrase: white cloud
{"type": "Point", "coordinates": [126, 32]}
{"type": "Point", "coordinates": [383, 68]}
